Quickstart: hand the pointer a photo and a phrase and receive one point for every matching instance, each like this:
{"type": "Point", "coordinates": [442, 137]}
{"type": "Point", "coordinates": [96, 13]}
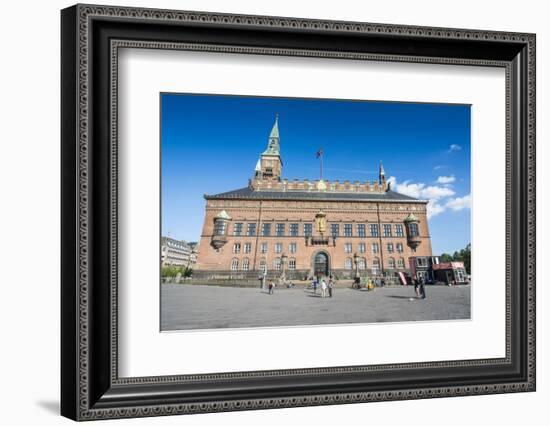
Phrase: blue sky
{"type": "Point", "coordinates": [210, 144]}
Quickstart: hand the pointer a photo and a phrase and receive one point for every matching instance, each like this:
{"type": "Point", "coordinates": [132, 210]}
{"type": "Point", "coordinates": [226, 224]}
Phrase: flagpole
{"type": "Point", "coordinates": [322, 153]}
{"type": "Point", "coordinates": [319, 155]}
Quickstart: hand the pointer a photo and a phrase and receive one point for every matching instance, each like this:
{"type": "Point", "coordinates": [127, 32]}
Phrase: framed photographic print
{"type": "Point", "coordinates": [263, 212]}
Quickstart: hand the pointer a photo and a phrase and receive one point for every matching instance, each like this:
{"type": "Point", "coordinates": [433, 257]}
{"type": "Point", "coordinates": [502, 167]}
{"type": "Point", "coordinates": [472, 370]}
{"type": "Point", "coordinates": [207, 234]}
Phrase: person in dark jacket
{"type": "Point", "coordinates": [422, 287]}
{"type": "Point", "coordinates": [330, 287]}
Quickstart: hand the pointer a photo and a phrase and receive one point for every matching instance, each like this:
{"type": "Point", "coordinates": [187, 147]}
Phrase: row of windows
{"type": "Point", "coordinates": [348, 264]}
{"type": "Point", "coordinates": [166, 249]}
{"type": "Point", "coordinates": [247, 248]}
{"type": "Point", "coordinates": [277, 264]}
{"type": "Point", "coordinates": [362, 263]}
{"type": "Point", "coordinates": [176, 255]}
{"type": "Point", "coordinates": [348, 248]}
{"type": "Point", "coordinates": [175, 245]}
{"type": "Point", "coordinates": [388, 230]}
{"type": "Point", "coordinates": [375, 248]}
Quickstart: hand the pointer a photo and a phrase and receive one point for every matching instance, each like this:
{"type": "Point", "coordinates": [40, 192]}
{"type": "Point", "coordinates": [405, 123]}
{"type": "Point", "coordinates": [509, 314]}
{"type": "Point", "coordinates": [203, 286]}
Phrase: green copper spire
{"type": "Point", "coordinates": [381, 175]}
{"type": "Point", "coordinates": [273, 144]}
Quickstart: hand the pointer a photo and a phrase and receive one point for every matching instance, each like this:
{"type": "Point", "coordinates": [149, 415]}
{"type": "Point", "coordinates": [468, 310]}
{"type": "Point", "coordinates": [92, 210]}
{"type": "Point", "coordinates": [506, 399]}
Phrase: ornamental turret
{"type": "Point", "coordinates": [413, 232]}
{"type": "Point", "coordinates": [219, 236]}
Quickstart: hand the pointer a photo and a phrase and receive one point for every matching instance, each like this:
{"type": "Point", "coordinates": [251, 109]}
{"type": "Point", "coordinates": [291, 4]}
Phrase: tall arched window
{"type": "Point", "coordinates": [362, 263]}
{"type": "Point", "coordinates": [246, 264]}
{"type": "Point", "coordinates": [391, 263]}
{"type": "Point", "coordinates": [348, 263]}
{"type": "Point", "coordinates": [277, 263]}
{"type": "Point", "coordinates": [263, 265]}
{"type": "Point", "coordinates": [375, 265]}
{"type": "Point", "coordinates": [234, 264]}
{"type": "Point", "coordinates": [292, 264]}
{"type": "Point", "coordinates": [401, 263]}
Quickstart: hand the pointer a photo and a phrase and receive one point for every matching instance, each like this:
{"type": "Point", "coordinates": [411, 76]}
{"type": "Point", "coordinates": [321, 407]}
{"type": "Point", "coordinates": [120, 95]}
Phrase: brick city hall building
{"type": "Point", "coordinates": [301, 227]}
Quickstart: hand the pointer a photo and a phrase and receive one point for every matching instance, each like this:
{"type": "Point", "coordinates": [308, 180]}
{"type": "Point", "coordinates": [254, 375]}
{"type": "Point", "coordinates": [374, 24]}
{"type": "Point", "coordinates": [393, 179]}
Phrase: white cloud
{"type": "Point", "coordinates": [440, 166]}
{"type": "Point", "coordinates": [454, 147]}
{"type": "Point", "coordinates": [434, 208]}
{"type": "Point", "coordinates": [459, 203]}
{"type": "Point", "coordinates": [445, 180]}
{"type": "Point", "coordinates": [420, 190]}
{"type": "Point", "coordinates": [440, 198]}
{"type": "Point", "coordinates": [436, 192]}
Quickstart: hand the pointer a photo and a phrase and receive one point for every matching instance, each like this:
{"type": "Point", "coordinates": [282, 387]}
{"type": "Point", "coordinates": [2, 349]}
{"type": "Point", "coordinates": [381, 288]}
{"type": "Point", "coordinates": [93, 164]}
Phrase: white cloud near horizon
{"type": "Point", "coordinates": [459, 203]}
{"type": "Point", "coordinates": [445, 180]}
{"type": "Point", "coordinates": [440, 198]}
{"type": "Point", "coordinates": [454, 147]}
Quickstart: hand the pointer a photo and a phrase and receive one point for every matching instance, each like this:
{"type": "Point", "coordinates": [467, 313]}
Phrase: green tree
{"type": "Point", "coordinates": [171, 271]}
{"type": "Point", "coordinates": [446, 257]}
{"type": "Point", "coordinates": [464, 256]}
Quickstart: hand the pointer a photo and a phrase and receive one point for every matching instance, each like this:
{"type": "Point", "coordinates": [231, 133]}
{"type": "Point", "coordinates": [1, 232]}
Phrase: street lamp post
{"type": "Point", "coordinates": [284, 258]}
{"type": "Point", "coordinates": [356, 261]}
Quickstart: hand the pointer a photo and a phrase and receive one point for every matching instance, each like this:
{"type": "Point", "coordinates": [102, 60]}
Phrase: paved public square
{"type": "Point", "coordinates": [191, 307]}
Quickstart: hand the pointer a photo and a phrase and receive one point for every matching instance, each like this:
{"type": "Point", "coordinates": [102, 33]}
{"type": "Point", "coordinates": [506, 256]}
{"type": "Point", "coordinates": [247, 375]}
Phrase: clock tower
{"type": "Point", "coordinates": [270, 165]}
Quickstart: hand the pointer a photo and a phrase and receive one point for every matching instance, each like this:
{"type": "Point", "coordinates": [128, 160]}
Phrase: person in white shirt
{"type": "Point", "coordinates": [323, 288]}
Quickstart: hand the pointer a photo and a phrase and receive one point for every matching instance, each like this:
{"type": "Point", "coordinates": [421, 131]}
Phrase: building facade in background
{"type": "Point", "coordinates": [307, 228]}
{"type": "Point", "coordinates": [177, 253]}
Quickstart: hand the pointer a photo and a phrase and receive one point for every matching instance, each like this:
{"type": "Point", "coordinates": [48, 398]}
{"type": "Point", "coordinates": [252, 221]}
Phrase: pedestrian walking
{"type": "Point", "coordinates": [323, 288]}
{"type": "Point", "coordinates": [416, 287]}
{"type": "Point", "coordinates": [330, 287]}
{"type": "Point", "coordinates": [422, 289]}
{"type": "Point", "coordinates": [271, 287]}
{"type": "Point", "coordinates": [314, 284]}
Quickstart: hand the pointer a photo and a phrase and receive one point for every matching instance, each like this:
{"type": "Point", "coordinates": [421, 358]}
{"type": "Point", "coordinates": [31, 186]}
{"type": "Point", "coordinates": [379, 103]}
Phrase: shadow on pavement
{"type": "Point", "coordinates": [402, 297]}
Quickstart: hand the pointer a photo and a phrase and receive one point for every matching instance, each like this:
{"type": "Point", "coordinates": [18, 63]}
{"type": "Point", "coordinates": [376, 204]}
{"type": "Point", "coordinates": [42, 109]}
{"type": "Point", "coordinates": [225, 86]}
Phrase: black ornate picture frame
{"type": "Point", "coordinates": [91, 387]}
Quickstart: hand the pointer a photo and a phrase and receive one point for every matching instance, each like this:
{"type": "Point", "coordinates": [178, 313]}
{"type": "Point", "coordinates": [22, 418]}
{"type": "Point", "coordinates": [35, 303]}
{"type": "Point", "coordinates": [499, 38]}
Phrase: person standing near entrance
{"type": "Point", "coordinates": [314, 284]}
{"type": "Point", "coordinates": [330, 286]}
{"type": "Point", "coordinates": [323, 288]}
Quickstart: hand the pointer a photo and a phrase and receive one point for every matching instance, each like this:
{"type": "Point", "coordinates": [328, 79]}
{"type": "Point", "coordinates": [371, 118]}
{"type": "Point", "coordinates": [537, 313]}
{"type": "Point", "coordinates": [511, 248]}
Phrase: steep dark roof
{"type": "Point", "coordinates": [250, 194]}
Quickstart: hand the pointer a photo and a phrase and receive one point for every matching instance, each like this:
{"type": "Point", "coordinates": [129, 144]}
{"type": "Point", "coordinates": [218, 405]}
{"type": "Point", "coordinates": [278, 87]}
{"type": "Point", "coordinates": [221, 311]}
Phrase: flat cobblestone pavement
{"type": "Point", "coordinates": [188, 307]}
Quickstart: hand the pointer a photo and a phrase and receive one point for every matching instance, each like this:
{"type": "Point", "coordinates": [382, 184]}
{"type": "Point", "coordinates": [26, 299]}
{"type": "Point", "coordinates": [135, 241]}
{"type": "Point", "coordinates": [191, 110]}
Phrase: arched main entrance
{"type": "Point", "coordinates": [321, 264]}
